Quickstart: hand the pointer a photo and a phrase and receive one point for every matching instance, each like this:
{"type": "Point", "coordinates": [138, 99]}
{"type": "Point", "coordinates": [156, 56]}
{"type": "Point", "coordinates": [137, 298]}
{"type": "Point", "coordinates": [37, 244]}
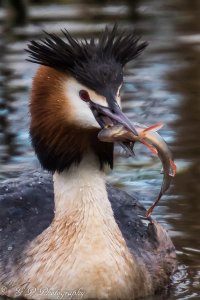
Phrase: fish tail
{"type": "Point", "coordinates": [154, 127]}
{"type": "Point", "coordinates": [150, 210]}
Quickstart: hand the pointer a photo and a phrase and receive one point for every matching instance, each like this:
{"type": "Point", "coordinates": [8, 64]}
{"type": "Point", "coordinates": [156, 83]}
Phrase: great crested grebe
{"type": "Point", "coordinates": [74, 236]}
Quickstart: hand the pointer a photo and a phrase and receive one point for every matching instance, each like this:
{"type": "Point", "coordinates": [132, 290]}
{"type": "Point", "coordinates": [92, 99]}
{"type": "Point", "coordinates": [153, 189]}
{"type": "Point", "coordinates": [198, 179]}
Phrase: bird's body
{"type": "Point", "coordinates": [104, 253]}
{"type": "Point", "coordinates": [74, 234]}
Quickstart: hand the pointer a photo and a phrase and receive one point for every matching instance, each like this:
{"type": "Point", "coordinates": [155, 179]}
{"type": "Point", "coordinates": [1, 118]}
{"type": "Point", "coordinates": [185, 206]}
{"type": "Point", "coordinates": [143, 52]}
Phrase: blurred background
{"type": "Point", "coordinates": [162, 85]}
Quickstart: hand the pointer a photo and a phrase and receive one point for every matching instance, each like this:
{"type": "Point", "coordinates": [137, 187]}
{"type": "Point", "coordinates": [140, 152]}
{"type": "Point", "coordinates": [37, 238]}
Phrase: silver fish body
{"type": "Point", "coordinates": [149, 137]}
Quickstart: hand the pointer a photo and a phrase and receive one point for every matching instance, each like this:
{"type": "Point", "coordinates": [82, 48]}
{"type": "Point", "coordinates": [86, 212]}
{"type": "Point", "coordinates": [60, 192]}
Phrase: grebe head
{"type": "Point", "coordinates": [75, 92]}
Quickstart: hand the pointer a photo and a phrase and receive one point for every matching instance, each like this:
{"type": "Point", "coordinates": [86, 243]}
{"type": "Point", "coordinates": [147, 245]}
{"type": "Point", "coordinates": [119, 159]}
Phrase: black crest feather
{"type": "Point", "coordinates": [92, 62]}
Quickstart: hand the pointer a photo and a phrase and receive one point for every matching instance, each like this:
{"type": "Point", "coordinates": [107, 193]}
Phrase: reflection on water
{"type": "Point", "coordinates": [162, 85]}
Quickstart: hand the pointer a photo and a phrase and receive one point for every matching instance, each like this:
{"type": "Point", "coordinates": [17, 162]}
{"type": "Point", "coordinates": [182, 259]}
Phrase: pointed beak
{"type": "Point", "coordinates": [108, 116]}
{"type": "Point", "coordinates": [113, 115]}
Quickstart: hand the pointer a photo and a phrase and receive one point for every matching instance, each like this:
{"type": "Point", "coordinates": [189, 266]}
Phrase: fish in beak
{"type": "Point", "coordinates": [113, 115]}
{"type": "Point", "coordinates": [151, 139]}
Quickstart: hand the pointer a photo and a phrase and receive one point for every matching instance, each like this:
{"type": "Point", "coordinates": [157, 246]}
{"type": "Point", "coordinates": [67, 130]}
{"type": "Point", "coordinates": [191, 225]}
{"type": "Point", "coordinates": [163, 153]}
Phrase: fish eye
{"type": "Point", "coordinates": [84, 95]}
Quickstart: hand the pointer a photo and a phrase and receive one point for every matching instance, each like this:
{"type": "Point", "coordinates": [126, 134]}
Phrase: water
{"type": "Point", "coordinates": [162, 85]}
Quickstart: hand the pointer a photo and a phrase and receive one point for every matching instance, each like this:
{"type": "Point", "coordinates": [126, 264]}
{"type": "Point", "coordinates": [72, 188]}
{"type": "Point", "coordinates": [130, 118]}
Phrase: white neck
{"type": "Point", "coordinates": [80, 187]}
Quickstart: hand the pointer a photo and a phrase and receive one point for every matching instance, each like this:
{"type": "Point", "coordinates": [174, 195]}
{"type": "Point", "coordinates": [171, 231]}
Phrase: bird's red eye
{"type": "Point", "coordinates": [84, 95]}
